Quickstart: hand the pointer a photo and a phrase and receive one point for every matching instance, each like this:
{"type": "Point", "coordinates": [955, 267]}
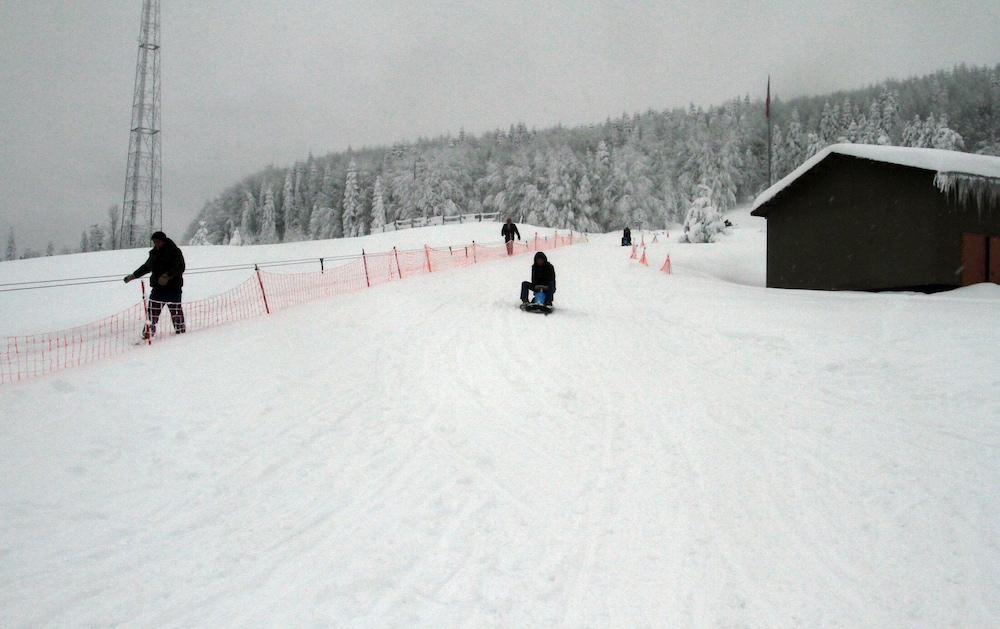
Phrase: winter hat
{"type": "Point", "coordinates": [158, 236]}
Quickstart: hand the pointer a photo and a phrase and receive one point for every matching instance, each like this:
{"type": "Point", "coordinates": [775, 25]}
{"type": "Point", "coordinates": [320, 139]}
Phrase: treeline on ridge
{"type": "Point", "coordinates": [644, 169]}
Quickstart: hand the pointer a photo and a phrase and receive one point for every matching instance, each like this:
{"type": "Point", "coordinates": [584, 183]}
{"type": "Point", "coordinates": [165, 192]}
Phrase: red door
{"type": "Point", "coordinates": [974, 247]}
{"type": "Point", "coordinates": [994, 260]}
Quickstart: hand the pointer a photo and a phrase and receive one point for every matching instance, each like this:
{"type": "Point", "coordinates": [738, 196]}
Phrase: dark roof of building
{"type": "Point", "coordinates": [965, 174]}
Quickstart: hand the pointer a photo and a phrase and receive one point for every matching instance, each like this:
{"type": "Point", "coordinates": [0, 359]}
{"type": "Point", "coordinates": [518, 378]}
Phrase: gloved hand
{"type": "Point", "coordinates": [129, 278]}
{"type": "Point", "coordinates": [162, 281]}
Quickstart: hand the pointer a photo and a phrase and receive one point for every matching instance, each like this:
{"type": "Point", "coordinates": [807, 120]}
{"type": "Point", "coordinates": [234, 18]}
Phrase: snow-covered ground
{"type": "Point", "coordinates": [690, 450]}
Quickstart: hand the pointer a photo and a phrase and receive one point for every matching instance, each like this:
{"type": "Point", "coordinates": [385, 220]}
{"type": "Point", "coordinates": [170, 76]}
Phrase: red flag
{"type": "Point", "coordinates": [767, 103]}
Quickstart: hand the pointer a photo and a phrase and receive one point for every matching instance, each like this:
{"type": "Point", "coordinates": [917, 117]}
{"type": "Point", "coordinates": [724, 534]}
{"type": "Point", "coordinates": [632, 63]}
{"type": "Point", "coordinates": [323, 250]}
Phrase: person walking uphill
{"type": "Point", "coordinates": [543, 279]}
{"type": "Point", "coordinates": [165, 265]}
{"type": "Point", "coordinates": [509, 231]}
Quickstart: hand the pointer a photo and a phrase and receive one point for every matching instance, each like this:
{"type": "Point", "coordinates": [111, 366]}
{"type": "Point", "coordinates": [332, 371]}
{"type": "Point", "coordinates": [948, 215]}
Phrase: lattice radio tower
{"type": "Point", "coordinates": [142, 209]}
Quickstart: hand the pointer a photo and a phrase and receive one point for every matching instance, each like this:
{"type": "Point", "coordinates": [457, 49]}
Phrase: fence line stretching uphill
{"type": "Point", "coordinates": [33, 355]}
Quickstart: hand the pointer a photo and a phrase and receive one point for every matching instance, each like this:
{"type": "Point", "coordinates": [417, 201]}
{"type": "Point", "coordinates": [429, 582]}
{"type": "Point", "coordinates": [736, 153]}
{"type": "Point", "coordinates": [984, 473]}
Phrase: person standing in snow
{"type": "Point", "coordinates": [543, 279]}
{"type": "Point", "coordinates": [509, 231]}
{"type": "Point", "coordinates": [166, 267]}
{"type": "Point", "coordinates": [626, 237]}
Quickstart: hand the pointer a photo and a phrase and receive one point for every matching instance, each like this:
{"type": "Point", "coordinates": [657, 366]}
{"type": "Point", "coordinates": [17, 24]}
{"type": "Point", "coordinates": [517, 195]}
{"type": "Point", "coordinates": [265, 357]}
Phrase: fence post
{"type": "Point", "coordinates": [263, 294]}
{"type": "Point", "coordinates": [427, 256]}
{"type": "Point", "coordinates": [536, 241]}
{"type": "Point", "coordinates": [145, 314]}
{"type": "Point", "coordinates": [365, 261]}
{"type": "Point", "coordinates": [399, 271]}
{"type": "Point", "coordinates": [474, 252]}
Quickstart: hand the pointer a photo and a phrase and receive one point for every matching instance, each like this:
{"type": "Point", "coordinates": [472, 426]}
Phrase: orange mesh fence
{"type": "Point", "coordinates": [28, 356]}
{"type": "Point", "coordinates": [284, 290]}
{"type": "Point", "coordinates": [35, 354]}
{"type": "Point", "coordinates": [242, 302]}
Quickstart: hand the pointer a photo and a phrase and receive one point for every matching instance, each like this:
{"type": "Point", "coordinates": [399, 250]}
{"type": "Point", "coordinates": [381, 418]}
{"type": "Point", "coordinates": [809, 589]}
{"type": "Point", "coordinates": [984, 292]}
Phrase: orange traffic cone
{"type": "Point", "coordinates": [633, 253]}
{"type": "Point", "coordinates": [643, 261]}
{"type": "Point", "coordinates": [654, 239]}
{"type": "Point", "coordinates": [666, 266]}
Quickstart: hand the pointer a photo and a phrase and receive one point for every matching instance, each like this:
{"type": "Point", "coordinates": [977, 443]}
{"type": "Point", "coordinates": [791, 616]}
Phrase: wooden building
{"type": "Point", "coordinates": [860, 217]}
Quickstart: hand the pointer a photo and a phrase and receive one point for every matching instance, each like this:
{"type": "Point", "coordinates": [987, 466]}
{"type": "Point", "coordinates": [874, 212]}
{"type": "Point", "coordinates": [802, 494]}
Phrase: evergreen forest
{"type": "Point", "coordinates": [644, 169]}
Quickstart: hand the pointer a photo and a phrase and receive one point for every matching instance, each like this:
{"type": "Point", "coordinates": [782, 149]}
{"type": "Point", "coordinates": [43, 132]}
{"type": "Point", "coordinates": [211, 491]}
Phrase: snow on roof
{"type": "Point", "coordinates": [947, 164]}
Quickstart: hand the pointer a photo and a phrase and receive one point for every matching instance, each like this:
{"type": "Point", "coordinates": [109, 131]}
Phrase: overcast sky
{"type": "Point", "coordinates": [250, 83]}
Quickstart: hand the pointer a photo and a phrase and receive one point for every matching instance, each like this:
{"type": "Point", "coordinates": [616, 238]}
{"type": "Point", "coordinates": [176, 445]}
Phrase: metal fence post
{"type": "Point", "coordinates": [263, 294]}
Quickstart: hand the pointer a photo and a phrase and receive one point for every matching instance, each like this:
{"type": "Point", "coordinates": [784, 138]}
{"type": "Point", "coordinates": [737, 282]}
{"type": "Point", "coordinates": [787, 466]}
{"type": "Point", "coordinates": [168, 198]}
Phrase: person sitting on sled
{"type": "Point", "coordinates": [543, 280]}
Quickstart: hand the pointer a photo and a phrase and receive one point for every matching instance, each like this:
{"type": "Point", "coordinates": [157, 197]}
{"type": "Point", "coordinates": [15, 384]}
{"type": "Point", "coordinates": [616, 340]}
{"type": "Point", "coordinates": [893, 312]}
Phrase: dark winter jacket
{"type": "Point", "coordinates": [544, 275]}
{"type": "Point", "coordinates": [509, 231]}
{"type": "Point", "coordinates": [167, 259]}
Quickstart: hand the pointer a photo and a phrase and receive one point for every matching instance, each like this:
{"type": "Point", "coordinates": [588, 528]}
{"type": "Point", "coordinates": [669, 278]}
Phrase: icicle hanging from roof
{"type": "Point", "coordinates": [985, 190]}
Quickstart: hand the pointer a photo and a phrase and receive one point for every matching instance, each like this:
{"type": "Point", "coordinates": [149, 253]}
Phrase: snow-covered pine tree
{"type": "Point", "coordinates": [602, 156]}
{"type": "Point", "coordinates": [874, 131]}
{"type": "Point", "coordinates": [848, 117]}
{"type": "Point", "coordinates": [114, 216]}
{"type": "Point", "coordinates": [945, 137]}
{"type": "Point", "coordinates": [532, 204]}
{"type": "Point", "coordinates": [268, 228]}
{"type": "Point", "coordinates": [925, 136]}
{"type": "Point", "coordinates": [322, 225]}
{"type": "Point", "coordinates": [293, 219]}
{"type": "Point", "coordinates": [200, 237]}
{"type": "Point", "coordinates": [236, 240]}
{"type": "Point", "coordinates": [317, 180]}
{"type": "Point", "coordinates": [814, 144]}
{"type": "Point", "coordinates": [427, 191]}
{"type": "Point", "coordinates": [585, 204]}
{"type": "Point", "coordinates": [829, 124]}
{"type": "Point", "coordinates": [352, 202]}
{"type": "Point", "coordinates": [912, 132]}
{"type": "Point", "coordinates": [96, 238]}
{"type": "Point", "coordinates": [795, 145]}
{"type": "Point", "coordinates": [889, 106]}
{"type": "Point", "coordinates": [248, 222]}
{"type": "Point", "coordinates": [704, 223]}
{"type": "Point", "coordinates": [378, 206]}
{"type": "Point", "coordinates": [559, 191]}
{"type": "Point", "coordinates": [328, 194]}
{"type": "Point", "coordinates": [778, 151]}
{"type": "Point", "coordinates": [630, 187]}
{"type": "Point", "coordinates": [12, 246]}
{"type": "Point", "coordinates": [402, 186]}
{"type": "Point", "coordinates": [299, 199]}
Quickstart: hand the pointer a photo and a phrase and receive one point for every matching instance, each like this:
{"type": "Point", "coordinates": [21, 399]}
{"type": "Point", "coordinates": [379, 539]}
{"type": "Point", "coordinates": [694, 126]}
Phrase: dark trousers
{"type": "Point", "coordinates": [172, 300]}
{"type": "Point", "coordinates": [526, 286]}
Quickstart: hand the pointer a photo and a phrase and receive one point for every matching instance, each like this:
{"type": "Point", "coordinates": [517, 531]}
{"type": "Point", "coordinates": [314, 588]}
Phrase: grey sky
{"type": "Point", "coordinates": [255, 82]}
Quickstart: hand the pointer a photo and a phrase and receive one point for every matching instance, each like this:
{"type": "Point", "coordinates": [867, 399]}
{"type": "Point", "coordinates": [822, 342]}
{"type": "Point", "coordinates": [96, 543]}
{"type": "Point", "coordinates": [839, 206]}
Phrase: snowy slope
{"type": "Point", "coordinates": [690, 450]}
{"type": "Point", "coordinates": [34, 311]}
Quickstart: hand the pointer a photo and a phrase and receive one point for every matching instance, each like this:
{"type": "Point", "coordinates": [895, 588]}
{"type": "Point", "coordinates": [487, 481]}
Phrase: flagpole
{"type": "Point", "coordinates": [767, 114]}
